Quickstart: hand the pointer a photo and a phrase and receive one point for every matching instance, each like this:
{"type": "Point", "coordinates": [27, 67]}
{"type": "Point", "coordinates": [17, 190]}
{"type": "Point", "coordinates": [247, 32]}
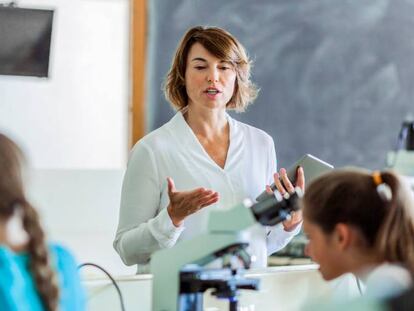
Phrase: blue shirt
{"type": "Point", "coordinates": [17, 287]}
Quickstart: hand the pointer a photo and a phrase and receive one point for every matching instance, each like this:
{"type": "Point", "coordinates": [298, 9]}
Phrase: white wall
{"type": "Point", "coordinates": [73, 125]}
{"type": "Point", "coordinates": [79, 208]}
{"type": "Point", "coordinates": [76, 118]}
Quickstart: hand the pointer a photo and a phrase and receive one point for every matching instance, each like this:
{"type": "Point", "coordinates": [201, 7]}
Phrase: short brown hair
{"type": "Point", "coordinates": [222, 45]}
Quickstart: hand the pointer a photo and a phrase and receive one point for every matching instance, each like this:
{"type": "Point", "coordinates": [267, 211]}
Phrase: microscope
{"type": "Point", "coordinates": [402, 158]}
{"type": "Point", "coordinates": [180, 275]}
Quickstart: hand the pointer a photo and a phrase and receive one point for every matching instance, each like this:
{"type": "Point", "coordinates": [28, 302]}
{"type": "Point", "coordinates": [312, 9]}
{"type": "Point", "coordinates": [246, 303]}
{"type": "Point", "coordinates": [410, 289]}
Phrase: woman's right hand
{"type": "Point", "coordinates": [185, 203]}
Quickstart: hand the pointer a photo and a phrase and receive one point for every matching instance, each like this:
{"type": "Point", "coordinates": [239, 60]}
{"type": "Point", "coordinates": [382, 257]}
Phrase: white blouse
{"type": "Point", "coordinates": [174, 151]}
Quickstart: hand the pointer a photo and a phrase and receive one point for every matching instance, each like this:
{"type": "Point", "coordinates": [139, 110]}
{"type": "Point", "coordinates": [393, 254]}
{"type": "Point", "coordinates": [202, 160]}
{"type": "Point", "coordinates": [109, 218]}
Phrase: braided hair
{"type": "Point", "coordinates": [13, 199]}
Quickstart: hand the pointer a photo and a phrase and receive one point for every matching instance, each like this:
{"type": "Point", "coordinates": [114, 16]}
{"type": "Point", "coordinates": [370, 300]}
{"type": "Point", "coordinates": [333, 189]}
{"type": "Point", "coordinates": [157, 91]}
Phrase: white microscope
{"type": "Point", "coordinates": [402, 159]}
{"type": "Point", "coordinates": [179, 274]}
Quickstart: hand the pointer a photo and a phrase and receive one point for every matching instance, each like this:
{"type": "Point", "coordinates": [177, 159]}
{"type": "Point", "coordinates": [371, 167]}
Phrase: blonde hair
{"type": "Point", "coordinates": [12, 198]}
{"type": "Point", "coordinates": [222, 45]}
{"type": "Point", "coordinates": [352, 196]}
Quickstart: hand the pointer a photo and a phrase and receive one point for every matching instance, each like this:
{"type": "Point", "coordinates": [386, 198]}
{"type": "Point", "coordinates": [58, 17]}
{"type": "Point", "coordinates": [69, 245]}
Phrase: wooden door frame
{"type": "Point", "coordinates": [138, 60]}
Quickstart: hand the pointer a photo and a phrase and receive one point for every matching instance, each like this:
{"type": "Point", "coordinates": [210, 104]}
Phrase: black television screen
{"type": "Point", "coordinates": [25, 36]}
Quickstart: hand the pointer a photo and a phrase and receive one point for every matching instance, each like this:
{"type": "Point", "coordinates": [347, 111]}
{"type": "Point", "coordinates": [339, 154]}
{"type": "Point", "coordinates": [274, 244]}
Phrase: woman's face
{"type": "Point", "coordinates": [322, 249]}
{"type": "Point", "coordinates": [209, 81]}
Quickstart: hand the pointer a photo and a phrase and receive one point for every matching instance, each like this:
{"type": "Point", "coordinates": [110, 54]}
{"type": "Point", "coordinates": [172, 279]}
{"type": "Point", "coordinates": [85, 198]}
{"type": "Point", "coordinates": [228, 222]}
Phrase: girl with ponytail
{"type": "Point", "coordinates": [33, 275]}
{"type": "Point", "coordinates": [362, 222]}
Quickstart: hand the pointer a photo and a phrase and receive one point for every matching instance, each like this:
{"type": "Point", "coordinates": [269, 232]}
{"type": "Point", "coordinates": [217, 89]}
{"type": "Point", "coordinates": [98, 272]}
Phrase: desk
{"type": "Point", "coordinates": [281, 288]}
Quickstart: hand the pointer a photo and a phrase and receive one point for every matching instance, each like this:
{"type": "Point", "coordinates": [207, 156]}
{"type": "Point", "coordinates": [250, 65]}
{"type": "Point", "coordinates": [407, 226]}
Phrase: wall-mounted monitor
{"type": "Point", "coordinates": [25, 36]}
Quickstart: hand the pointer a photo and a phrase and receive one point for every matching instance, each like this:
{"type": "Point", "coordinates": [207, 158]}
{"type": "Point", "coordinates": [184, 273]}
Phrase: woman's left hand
{"type": "Point", "coordinates": [284, 185]}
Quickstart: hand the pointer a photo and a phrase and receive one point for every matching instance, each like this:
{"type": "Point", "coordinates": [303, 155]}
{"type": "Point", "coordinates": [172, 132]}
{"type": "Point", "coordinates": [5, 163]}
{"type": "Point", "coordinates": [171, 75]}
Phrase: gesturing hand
{"type": "Point", "coordinates": [185, 203]}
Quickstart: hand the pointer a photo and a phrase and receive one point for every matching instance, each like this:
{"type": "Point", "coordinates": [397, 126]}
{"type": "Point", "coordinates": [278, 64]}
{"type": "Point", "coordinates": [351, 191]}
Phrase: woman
{"type": "Point", "coordinates": [33, 276]}
{"type": "Point", "coordinates": [201, 148]}
{"type": "Point", "coordinates": [362, 223]}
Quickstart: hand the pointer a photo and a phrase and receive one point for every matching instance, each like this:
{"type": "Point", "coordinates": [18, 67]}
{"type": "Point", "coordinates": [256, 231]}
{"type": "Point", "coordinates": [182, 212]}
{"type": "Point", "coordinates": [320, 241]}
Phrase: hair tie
{"type": "Point", "coordinates": [376, 175]}
{"type": "Point", "coordinates": [384, 191]}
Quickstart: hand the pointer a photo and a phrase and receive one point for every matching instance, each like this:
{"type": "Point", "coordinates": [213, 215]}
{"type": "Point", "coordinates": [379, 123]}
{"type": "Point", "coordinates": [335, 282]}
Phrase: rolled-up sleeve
{"type": "Point", "coordinates": [144, 226]}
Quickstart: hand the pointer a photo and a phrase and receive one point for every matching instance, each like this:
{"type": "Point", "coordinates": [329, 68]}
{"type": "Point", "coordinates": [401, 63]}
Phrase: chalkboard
{"type": "Point", "coordinates": [336, 76]}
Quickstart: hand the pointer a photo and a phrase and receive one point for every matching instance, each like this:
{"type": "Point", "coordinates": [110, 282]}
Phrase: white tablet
{"type": "Point", "coordinates": [312, 168]}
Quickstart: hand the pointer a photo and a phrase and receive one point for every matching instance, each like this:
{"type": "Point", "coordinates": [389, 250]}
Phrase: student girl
{"type": "Point", "coordinates": [34, 275]}
{"type": "Point", "coordinates": [362, 222]}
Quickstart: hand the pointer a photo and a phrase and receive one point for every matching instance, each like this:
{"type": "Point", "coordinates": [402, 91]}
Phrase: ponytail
{"type": "Point", "coordinates": [395, 240]}
{"type": "Point", "coordinates": [44, 277]}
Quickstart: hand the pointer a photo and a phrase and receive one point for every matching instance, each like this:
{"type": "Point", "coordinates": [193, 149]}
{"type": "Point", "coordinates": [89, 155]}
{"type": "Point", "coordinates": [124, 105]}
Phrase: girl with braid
{"type": "Point", "coordinates": [363, 223]}
{"type": "Point", "coordinates": [34, 275]}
